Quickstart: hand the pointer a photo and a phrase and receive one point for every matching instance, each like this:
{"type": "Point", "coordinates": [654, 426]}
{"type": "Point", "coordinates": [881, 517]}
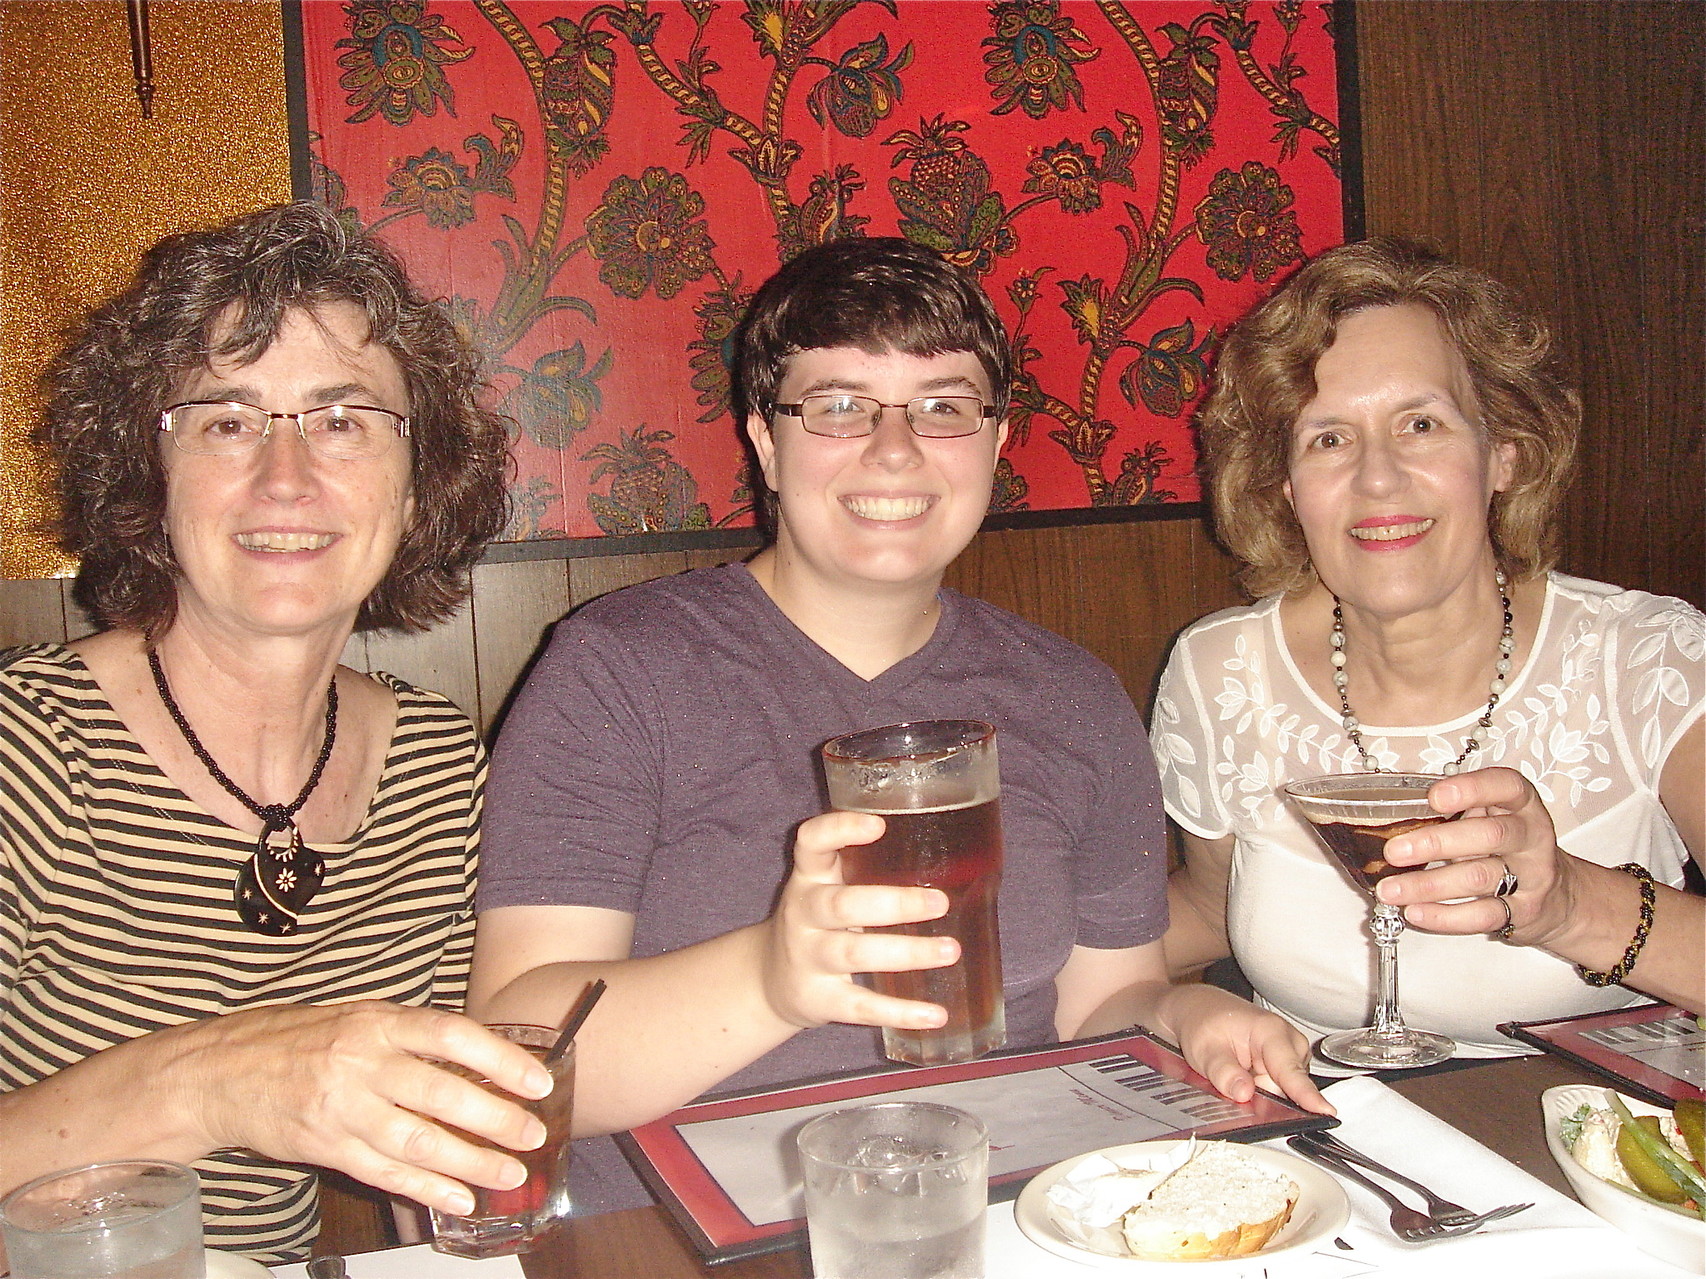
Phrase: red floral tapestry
{"type": "Point", "coordinates": [599, 188]}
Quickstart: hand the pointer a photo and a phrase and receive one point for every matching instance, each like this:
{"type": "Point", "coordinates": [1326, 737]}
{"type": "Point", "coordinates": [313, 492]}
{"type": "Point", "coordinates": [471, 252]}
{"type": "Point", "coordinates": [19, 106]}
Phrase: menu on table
{"type": "Point", "coordinates": [1653, 1051]}
{"type": "Point", "coordinates": [728, 1173]}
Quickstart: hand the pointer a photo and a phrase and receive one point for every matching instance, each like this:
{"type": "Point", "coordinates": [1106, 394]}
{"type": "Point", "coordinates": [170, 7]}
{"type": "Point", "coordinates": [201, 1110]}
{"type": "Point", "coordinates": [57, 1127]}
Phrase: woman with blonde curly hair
{"type": "Point", "coordinates": [236, 877]}
{"type": "Point", "coordinates": [1386, 447]}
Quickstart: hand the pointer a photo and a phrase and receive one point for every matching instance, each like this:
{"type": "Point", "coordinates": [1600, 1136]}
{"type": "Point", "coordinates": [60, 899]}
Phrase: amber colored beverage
{"type": "Point", "coordinates": [937, 786]}
{"type": "Point", "coordinates": [957, 850]}
{"type": "Point", "coordinates": [547, 1167]}
{"type": "Point", "coordinates": [508, 1221]}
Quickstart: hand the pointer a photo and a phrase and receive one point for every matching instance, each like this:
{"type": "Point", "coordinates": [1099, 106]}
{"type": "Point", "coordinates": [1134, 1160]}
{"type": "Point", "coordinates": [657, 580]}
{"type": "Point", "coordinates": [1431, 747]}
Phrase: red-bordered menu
{"type": "Point", "coordinates": [728, 1173]}
{"type": "Point", "coordinates": [1653, 1051]}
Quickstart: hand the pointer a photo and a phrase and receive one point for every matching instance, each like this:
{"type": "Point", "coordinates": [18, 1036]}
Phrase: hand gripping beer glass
{"type": "Point", "coordinates": [1352, 816]}
{"type": "Point", "coordinates": [936, 785]}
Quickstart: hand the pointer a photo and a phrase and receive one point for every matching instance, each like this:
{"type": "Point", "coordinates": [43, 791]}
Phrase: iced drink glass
{"type": "Point", "coordinates": [936, 784]}
{"type": "Point", "coordinates": [135, 1219]}
{"type": "Point", "coordinates": [505, 1222]}
{"type": "Point", "coordinates": [1353, 815]}
{"type": "Point", "coordinates": [896, 1191]}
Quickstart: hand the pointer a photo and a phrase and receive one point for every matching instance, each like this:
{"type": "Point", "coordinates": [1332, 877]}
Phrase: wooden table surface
{"type": "Point", "coordinates": [1498, 1104]}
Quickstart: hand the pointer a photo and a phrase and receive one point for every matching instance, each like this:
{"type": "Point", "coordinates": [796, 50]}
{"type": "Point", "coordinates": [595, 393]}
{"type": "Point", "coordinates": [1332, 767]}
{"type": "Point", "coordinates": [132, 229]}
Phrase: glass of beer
{"type": "Point", "coordinates": [1353, 815]}
{"type": "Point", "coordinates": [505, 1222]}
{"type": "Point", "coordinates": [936, 785]}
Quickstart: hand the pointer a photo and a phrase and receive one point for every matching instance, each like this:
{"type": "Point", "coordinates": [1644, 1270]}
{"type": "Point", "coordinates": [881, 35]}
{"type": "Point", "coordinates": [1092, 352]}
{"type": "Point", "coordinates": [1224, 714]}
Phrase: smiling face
{"type": "Point", "coordinates": [1391, 473]}
{"type": "Point", "coordinates": [889, 508]}
{"type": "Point", "coordinates": [277, 540]}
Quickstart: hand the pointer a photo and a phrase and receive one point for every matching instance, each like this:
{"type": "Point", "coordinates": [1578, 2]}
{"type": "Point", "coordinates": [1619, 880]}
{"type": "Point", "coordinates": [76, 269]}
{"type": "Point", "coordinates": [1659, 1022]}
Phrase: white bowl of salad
{"type": "Point", "coordinates": [1582, 1128]}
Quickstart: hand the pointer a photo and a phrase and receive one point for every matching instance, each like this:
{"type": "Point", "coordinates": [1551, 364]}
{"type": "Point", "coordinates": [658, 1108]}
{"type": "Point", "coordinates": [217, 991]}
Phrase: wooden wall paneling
{"type": "Point", "coordinates": [514, 606]}
{"type": "Point", "coordinates": [442, 659]}
{"type": "Point", "coordinates": [1557, 146]}
{"type": "Point", "coordinates": [31, 612]}
{"type": "Point", "coordinates": [1214, 573]}
{"type": "Point", "coordinates": [1120, 590]}
{"type": "Point", "coordinates": [712, 556]}
{"type": "Point", "coordinates": [592, 577]}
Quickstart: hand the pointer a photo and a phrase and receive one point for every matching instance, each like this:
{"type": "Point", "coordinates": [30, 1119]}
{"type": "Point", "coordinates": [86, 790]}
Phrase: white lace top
{"type": "Point", "coordinates": [1614, 679]}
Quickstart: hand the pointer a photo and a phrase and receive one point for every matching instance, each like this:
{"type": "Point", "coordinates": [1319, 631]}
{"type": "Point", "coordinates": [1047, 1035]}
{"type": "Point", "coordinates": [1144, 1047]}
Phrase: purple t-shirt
{"type": "Point", "coordinates": [665, 747]}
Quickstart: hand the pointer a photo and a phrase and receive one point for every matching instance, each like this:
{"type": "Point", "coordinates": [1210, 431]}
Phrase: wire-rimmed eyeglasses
{"type": "Point", "coordinates": [935, 417]}
{"type": "Point", "coordinates": [344, 432]}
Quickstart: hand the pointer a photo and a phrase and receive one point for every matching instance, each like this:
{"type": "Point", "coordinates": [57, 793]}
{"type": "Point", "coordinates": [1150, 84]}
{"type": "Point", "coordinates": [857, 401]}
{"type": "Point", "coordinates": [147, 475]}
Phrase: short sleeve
{"type": "Point", "coordinates": [1181, 734]}
{"type": "Point", "coordinates": [1660, 677]}
{"type": "Point", "coordinates": [450, 977]}
{"type": "Point", "coordinates": [35, 802]}
{"type": "Point", "coordinates": [572, 805]}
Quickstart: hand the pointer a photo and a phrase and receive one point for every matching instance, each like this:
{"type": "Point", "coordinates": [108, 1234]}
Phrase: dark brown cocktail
{"type": "Point", "coordinates": [1360, 844]}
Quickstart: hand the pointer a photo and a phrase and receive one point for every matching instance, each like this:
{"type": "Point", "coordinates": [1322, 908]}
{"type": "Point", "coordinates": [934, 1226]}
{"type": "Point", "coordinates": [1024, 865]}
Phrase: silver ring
{"type": "Point", "coordinates": [1504, 933]}
{"type": "Point", "coordinates": [1507, 882]}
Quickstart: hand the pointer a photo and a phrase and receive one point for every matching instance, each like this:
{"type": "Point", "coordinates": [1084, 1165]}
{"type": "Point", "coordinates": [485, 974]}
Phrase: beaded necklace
{"type": "Point", "coordinates": [283, 875]}
{"type": "Point", "coordinates": [1501, 671]}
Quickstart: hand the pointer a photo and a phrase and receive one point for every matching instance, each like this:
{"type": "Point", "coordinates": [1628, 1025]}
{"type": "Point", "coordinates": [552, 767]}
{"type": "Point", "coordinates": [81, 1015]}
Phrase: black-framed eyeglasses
{"type": "Point", "coordinates": [934, 417]}
{"type": "Point", "coordinates": [225, 428]}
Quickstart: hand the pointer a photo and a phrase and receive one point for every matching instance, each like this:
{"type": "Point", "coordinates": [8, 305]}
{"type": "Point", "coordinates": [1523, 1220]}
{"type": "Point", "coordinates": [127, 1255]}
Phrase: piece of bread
{"type": "Point", "coordinates": [1223, 1203]}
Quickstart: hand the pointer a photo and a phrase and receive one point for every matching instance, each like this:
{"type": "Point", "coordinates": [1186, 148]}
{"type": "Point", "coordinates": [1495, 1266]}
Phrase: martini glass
{"type": "Point", "coordinates": [1353, 815]}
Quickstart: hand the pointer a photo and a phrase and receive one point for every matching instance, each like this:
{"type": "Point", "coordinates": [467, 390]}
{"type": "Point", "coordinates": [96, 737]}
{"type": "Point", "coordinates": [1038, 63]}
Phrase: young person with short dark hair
{"type": "Point", "coordinates": [663, 754]}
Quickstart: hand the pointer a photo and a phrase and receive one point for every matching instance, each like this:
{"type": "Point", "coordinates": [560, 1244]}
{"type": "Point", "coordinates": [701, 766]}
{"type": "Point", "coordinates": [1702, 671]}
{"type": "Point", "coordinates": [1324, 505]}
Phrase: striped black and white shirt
{"type": "Point", "coordinates": [117, 916]}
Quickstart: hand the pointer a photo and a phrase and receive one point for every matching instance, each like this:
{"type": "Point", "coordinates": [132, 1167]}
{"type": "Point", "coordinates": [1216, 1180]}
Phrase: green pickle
{"type": "Point", "coordinates": [1691, 1123]}
{"type": "Point", "coordinates": [1656, 1169]}
{"type": "Point", "coordinates": [1645, 1171]}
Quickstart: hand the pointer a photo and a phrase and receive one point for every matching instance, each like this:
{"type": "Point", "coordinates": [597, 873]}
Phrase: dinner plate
{"type": "Point", "coordinates": [1669, 1236]}
{"type": "Point", "coordinates": [1321, 1212]}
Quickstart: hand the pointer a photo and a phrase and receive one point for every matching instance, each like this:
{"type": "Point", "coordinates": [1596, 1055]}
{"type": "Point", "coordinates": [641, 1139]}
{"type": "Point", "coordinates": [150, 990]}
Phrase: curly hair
{"type": "Point", "coordinates": [224, 294]}
{"type": "Point", "coordinates": [879, 294]}
{"type": "Point", "coordinates": [1265, 375]}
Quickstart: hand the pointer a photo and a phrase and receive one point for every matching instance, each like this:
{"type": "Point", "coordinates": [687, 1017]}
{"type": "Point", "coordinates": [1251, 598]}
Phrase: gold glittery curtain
{"type": "Point", "coordinates": [89, 184]}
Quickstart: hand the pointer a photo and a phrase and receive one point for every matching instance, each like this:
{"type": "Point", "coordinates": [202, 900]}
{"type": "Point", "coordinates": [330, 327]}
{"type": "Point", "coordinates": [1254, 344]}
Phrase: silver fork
{"type": "Point", "coordinates": [1408, 1224]}
{"type": "Point", "coordinates": [1441, 1210]}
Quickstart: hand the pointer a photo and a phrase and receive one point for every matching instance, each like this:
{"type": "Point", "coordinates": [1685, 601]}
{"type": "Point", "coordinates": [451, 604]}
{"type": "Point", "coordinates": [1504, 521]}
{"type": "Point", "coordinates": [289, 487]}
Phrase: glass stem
{"type": "Point", "coordinates": [1387, 923]}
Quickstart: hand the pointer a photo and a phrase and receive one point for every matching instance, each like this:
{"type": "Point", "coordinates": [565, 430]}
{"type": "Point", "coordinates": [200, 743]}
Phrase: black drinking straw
{"type": "Point", "coordinates": [577, 1015]}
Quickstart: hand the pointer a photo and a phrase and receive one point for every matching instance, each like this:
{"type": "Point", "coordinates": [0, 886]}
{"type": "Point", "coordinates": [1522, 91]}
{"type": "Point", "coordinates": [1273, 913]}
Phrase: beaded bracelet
{"type": "Point", "coordinates": [1643, 929]}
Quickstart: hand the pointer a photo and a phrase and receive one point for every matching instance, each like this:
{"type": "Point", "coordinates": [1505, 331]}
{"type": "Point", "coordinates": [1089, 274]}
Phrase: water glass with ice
{"type": "Point", "coordinates": [896, 1190]}
{"type": "Point", "coordinates": [132, 1219]}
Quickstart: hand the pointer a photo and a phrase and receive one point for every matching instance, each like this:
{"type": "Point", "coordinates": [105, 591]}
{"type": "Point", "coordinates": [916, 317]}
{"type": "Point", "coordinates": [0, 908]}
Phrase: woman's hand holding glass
{"type": "Point", "coordinates": [814, 944]}
{"type": "Point", "coordinates": [353, 1087]}
{"type": "Point", "coordinates": [1505, 828]}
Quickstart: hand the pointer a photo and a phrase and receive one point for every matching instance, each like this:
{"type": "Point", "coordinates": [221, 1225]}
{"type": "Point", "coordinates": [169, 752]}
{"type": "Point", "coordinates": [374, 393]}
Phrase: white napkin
{"type": "Point", "coordinates": [1557, 1238]}
{"type": "Point", "coordinates": [418, 1262]}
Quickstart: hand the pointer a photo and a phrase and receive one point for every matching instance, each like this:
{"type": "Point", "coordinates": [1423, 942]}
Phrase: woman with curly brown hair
{"type": "Point", "coordinates": [1387, 446]}
{"type": "Point", "coordinates": [236, 877]}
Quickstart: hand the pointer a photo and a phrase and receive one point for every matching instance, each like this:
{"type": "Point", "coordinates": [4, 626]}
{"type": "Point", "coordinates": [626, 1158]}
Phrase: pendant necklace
{"type": "Point", "coordinates": [283, 874]}
{"type": "Point", "coordinates": [1501, 671]}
